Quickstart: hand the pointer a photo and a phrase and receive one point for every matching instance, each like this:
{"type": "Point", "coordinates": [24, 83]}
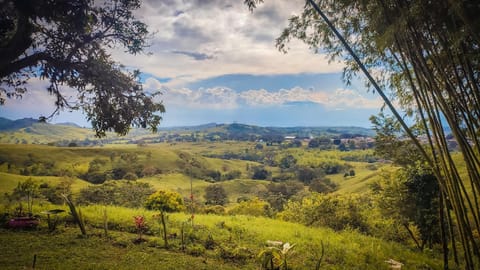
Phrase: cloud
{"type": "Point", "coordinates": [226, 98]}
{"type": "Point", "coordinates": [348, 98]}
{"type": "Point", "coordinates": [37, 102]}
{"type": "Point", "coordinates": [195, 55]}
{"type": "Point", "coordinates": [232, 39]}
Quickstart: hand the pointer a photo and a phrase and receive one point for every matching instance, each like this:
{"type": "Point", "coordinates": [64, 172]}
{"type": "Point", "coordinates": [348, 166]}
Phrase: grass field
{"type": "Point", "coordinates": [215, 241]}
{"type": "Point", "coordinates": [235, 243]}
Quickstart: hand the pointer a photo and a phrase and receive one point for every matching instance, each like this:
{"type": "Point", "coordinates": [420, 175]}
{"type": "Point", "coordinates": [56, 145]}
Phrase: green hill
{"type": "Point", "coordinates": [30, 131]}
{"type": "Point", "coordinates": [216, 241]}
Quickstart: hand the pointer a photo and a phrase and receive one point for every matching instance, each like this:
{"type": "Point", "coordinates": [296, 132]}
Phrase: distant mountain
{"type": "Point", "coordinates": [7, 124]}
{"type": "Point", "coordinates": [189, 128]}
{"type": "Point", "coordinates": [238, 129]}
{"type": "Point", "coordinates": [29, 130]}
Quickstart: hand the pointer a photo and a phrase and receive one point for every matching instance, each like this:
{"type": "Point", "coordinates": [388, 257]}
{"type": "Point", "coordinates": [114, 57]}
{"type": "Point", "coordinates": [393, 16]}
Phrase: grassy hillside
{"type": "Point", "coordinates": [43, 133]}
{"type": "Point", "coordinates": [9, 181]}
{"type": "Point", "coordinates": [25, 131]}
{"type": "Point", "coordinates": [215, 242]}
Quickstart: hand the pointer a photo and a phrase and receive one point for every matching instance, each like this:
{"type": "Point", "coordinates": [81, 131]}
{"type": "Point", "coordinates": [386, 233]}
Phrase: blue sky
{"type": "Point", "coordinates": [214, 61]}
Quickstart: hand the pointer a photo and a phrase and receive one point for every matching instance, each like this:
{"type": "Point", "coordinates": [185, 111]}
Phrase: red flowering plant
{"type": "Point", "coordinates": [140, 225]}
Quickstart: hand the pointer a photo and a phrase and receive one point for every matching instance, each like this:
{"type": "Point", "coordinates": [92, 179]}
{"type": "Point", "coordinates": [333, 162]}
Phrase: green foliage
{"type": "Point", "coordinates": [411, 196]}
{"type": "Point", "coordinates": [118, 192]}
{"type": "Point", "coordinates": [307, 174]}
{"type": "Point", "coordinates": [323, 143]}
{"type": "Point", "coordinates": [252, 207]}
{"type": "Point", "coordinates": [324, 185]}
{"type": "Point", "coordinates": [26, 191]}
{"type": "Point", "coordinates": [388, 144]}
{"type": "Point", "coordinates": [213, 209]}
{"type": "Point", "coordinates": [427, 53]}
{"type": "Point", "coordinates": [288, 161]}
{"type": "Point", "coordinates": [96, 172]}
{"type": "Point", "coordinates": [215, 195]}
{"type": "Point", "coordinates": [165, 201]}
{"type": "Point", "coordinates": [275, 257]}
{"type": "Point", "coordinates": [333, 211]}
{"type": "Point", "coordinates": [53, 194]}
{"type": "Point", "coordinates": [71, 49]}
{"type": "Point", "coordinates": [236, 254]}
{"type": "Point", "coordinates": [260, 173]}
{"type": "Point", "coordinates": [277, 194]}
{"type": "Point", "coordinates": [232, 175]}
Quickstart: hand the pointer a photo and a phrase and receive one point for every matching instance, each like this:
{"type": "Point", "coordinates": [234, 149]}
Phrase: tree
{"type": "Point", "coordinates": [165, 201]}
{"type": "Point", "coordinates": [427, 53]}
{"type": "Point", "coordinates": [307, 174]}
{"type": "Point", "coordinates": [251, 207]}
{"type": "Point", "coordinates": [260, 173]}
{"type": "Point", "coordinates": [216, 195]}
{"type": "Point", "coordinates": [411, 195]}
{"type": "Point", "coordinates": [288, 161]}
{"type": "Point", "coordinates": [278, 194]}
{"type": "Point", "coordinates": [66, 42]}
{"type": "Point", "coordinates": [26, 190]}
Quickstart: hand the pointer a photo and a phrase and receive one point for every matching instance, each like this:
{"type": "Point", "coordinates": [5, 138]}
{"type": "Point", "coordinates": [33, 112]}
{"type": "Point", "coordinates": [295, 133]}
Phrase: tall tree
{"type": "Point", "coordinates": [65, 42]}
{"type": "Point", "coordinates": [165, 201]}
{"type": "Point", "coordinates": [215, 195]}
{"type": "Point", "coordinates": [427, 54]}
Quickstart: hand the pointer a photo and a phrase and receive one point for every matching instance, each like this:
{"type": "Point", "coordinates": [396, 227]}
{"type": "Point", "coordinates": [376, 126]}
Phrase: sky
{"type": "Point", "coordinates": [215, 61]}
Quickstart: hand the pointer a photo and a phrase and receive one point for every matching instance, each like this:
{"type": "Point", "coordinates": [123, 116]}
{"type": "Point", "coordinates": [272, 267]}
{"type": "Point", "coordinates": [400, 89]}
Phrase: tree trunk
{"type": "Point", "coordinates": [162, 217]}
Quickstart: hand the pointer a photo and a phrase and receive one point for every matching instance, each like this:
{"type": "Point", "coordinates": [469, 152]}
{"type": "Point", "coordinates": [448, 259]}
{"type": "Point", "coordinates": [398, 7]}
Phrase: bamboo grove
{"type": "Point", "coordinates": [426, 54]}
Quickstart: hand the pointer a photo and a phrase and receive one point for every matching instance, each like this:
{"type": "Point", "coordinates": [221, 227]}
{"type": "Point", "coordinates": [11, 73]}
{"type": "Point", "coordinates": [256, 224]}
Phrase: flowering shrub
{"type": "Point", "coordinates": [140, 225]}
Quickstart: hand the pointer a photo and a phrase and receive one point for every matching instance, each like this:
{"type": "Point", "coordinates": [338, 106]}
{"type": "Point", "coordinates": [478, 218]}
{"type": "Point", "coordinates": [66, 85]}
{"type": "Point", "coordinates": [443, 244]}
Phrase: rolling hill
{"type": "Point", "coordinates": [31, 131]}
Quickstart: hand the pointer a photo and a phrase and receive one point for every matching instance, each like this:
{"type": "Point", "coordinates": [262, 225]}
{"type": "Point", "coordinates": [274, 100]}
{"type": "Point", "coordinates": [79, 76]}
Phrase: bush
{"type": "Point", "coordinates": [260, 173]}
{"type": "Point", "coordinates": [232, 175]}
{"type": "Point", "coordinates": [119, 192]}
{"type": "Point", "coordinates": [278, 194]}
{"type": "Point", "coordinates": [195, 250]}
{"type": "Point", "coordinates": [235, 254]}
{"type": "Point", "coordinates": [334, 211]}
{"type": "Point", "coordinates": [214, 209]}
{"type": "Point", "coordinates": [324, 185]}
{"type": "Point", "coordinates": [215, 195]}
{"type": "Point", "coordinates": [253, 207]}
{"type": "Point", "coordinates": [130, 176]}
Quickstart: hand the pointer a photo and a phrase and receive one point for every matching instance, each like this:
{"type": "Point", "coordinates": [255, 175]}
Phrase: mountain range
{"type": "Point", "coordinates": [30, 130]}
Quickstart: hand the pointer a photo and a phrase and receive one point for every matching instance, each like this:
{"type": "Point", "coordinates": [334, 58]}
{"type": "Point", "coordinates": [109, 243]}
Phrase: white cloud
{"type": "Point", "coordinates": [36, 101]}
{"type": "Point", "coordinates": [348, 98]}
{"type": "Point", "coordinates": [226, 98]}
{"type": "Point", "coordinates": [230, 39]}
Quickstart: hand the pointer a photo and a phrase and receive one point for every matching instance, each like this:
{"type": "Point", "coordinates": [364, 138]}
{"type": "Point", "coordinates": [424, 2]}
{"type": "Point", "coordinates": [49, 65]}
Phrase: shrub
{"type": "Point", "coordinates": [235, 254]}
{"type": "Point", "coordinates": [118, 192]}
{"type": "Point", "coordinates": [307, 174]}
{"type": "Point", "coordinates": [130, 176]}
{"type": "Point", "coordinates": [253, 207]}
{"type": "Point", "coordinates": [334, 211]}
{"type": "Point", "coordinates": [214, 209]}
{"type": "Point", "coordinates": [215, 195]}
{"type": "Point", "coordinates": [278, 194]}
{"type": "Point", "coordinates": [195, 250]}
{"type": "Point", "coordinates": [260, 173]}
{"type": "Point", "coordinates": [165, 201]}
{"type": "Point", "coordinates": [232, 175]}
{"type": "Point", "coordinates": [324, 185]}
